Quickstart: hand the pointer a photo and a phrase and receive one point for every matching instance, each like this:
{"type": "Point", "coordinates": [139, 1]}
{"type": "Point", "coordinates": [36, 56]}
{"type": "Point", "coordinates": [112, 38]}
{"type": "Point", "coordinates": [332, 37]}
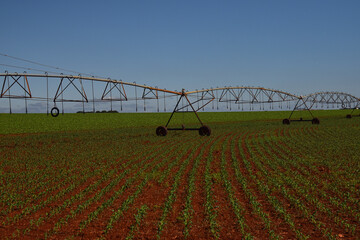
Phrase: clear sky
{"type": "Point", "coordinates": [297, 46]}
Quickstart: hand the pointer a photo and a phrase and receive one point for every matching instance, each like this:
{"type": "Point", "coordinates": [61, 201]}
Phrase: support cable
{"type": "Point", "coordinates": [27, 68]}
{"type": "Point", "coordinates": [44, 65]}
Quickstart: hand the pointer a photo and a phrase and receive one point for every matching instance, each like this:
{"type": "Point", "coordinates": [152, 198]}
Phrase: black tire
{"type": "Point", "coordinates": [55, 112]}
{"type": "Point", "coordinates": [315, 121]}
{"type": "Point", "coordinates": [204, 131]}
{"type": "Point", "coordinates": [348, 116]}
{"type": "Point", "coordinates": [161, 131]}
{"type": "Point", "coordinates": [286, 121]}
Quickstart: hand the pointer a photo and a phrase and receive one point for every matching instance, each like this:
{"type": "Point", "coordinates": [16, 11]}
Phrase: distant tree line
{"type": "Point", "coordinates": [103, 111]}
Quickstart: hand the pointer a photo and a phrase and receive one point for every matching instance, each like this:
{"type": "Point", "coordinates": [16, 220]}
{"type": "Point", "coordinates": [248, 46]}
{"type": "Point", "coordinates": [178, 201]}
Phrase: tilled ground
{"type": "Point", "coordinates": [260, 181]}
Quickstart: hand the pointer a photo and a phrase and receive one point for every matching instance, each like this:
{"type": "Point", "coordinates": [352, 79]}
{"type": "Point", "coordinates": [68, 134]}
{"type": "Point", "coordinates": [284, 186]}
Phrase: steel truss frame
{"type": "Point", "coordinates": [347, 101]}
{"type": "Point", "coordinates": [238, 95]}
{"type": "Point", "coordinates": [147, 93]}
{"type": "Point", "coordinates": [259, 95]}
{"type": "Point", "coordinates": [251, 95]}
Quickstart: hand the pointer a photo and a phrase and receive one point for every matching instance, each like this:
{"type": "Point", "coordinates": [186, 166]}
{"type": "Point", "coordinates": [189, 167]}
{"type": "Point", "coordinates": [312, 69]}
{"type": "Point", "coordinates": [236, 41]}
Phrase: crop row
{"type": "Point", "coordinates": [260, 181]}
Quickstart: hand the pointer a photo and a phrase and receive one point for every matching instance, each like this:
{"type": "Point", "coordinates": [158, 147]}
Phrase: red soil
{"type": "Point", "coordinates": [249, 147]}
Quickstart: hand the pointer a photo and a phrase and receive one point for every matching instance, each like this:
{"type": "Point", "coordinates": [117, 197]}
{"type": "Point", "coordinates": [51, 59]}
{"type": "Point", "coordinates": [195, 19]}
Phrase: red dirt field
{"type": "Point", "coordinates": [260, 181]}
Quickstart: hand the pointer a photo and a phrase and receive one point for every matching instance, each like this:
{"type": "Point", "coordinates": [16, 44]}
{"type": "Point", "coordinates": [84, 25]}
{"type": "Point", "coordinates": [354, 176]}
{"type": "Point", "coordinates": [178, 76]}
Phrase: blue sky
{"type": "Point", "coordinates": [297, 46]}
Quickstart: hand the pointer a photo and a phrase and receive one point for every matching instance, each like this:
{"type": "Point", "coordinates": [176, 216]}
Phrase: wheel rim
{"type": "Point", "coordinates": [161, 131]}
{"type": "Point", "coordinates": [315, 121]}
{"type": "Point", "coordinates": [286, 121]}
{"type": "Point", "coordinates": [54, 112]}
{"type": "Point", "coordinates": [204, 131]}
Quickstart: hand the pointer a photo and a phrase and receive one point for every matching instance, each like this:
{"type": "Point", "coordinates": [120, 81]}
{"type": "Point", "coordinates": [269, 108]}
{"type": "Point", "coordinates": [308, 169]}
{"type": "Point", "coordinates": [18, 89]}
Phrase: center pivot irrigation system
{"type": "Point", "coordinates": [69, 88]}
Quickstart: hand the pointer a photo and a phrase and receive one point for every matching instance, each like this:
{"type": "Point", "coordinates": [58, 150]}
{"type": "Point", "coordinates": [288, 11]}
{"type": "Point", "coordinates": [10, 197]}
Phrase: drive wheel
{"type": "Point", "coordinates": [55, 112]}
{"type": "Point", "coordinates": [286, 121]}
{"type": "Point", "coordinates": [315, 121]}
{"type": "Point", "coordinates": [204, 131]}
{"type": "Point", "coordinates": [161, 131]}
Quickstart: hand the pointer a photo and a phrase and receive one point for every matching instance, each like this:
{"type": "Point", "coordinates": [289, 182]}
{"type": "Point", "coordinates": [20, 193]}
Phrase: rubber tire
{"type": "Point", "coordinates": [56, 113]}
{"type": "Point", "coordinates": [348, 116]}
{"type": "Point", "coordinates": [161, 131]}
{"type": "Point", "coordinates": [286, 121]}
{"type": "Point", "coordinates": [315, 121]}
{"type": "Point", "coordinates": [204, 131]}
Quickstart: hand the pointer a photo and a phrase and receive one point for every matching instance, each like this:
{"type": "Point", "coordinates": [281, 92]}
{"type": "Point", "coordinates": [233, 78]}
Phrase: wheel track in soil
{"type": "Point", "coordinates": [216, 206]}
{"type": "Point", "coordinates": [200, 226]}
{"type": "Point", "coordinates": [225, 216]}
{"type": "Point", "coordinates": [175, 225]}
{"type": "Point", "coordinates": [192, 191]}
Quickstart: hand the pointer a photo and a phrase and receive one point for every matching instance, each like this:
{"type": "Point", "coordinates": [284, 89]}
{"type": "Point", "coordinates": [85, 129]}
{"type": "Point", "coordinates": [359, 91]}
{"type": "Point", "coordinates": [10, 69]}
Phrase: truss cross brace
{"type": "Point", "coordinates": [26, 87]}
{"type": "Point", "coordinates": [183, 95]}
{"type": "Point", "coordinates": [71, 82]}
{"type": "Point", "coordinates": [122, 92]}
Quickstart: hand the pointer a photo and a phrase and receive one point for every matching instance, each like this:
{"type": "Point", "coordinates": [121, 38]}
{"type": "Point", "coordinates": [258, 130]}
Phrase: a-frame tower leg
{"type": "Point", "coordinates": [301, 102]}
{"type": "Point", "coordinates": [203, 129]}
